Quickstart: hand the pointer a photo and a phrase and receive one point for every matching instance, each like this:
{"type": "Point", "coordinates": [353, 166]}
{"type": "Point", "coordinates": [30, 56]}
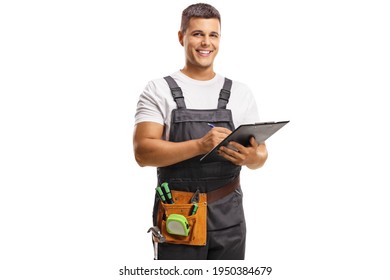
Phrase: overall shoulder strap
{"type": "Point", "coordinates": [176, 92]}
{"type": "Point", "coordinates": [224, 94]}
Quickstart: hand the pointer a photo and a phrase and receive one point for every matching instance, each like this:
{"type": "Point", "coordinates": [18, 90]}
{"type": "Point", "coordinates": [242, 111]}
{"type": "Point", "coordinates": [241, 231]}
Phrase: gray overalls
{"type": "Point", "coordinates": [226, 228]}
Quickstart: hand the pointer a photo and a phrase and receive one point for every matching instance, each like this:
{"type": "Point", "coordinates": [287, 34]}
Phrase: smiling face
{"type": "Point", "coordinates": [201, 44]}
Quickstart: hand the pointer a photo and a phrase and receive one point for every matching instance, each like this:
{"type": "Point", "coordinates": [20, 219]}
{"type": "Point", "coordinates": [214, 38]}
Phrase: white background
{"type": "Point", "coordinates": [75, 205]}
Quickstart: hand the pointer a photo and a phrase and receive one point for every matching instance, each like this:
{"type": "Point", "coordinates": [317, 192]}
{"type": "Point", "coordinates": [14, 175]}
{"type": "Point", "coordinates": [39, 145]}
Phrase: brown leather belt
{"type": "Point", "coordinates": [223, 191]}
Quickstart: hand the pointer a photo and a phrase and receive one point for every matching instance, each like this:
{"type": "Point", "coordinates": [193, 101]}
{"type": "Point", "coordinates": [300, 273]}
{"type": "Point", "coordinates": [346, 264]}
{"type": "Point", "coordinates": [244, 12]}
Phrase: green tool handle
{"type": "Point", "coordinates": [167, 192]}
{"type": "Point", "coordinates": [161, 195]}
{"type": "Point", "coordinates": [194, 209]}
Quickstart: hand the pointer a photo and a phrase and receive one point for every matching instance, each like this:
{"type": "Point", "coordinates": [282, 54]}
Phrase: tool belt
{"type": "Point", "coordinates": [197, 222]}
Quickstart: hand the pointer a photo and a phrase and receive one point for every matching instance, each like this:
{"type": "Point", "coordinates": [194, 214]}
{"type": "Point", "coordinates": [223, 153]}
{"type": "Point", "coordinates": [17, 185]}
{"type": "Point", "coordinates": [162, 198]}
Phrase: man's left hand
{"type": "Point", "coordinates": [253, 156]}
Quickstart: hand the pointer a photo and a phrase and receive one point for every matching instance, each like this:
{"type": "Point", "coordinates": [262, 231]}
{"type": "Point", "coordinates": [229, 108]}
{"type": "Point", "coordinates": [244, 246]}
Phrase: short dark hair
{"type": "Point", "coordinates": [200, 10]}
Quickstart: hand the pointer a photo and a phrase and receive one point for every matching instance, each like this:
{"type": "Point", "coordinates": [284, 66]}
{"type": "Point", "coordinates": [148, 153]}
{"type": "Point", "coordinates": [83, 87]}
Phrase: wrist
{"type": "Point", "coordinates": [198, 147]}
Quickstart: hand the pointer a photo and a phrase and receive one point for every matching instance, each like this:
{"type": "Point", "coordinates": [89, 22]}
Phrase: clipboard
{"type": "Point", "coordinates": [242, 134]}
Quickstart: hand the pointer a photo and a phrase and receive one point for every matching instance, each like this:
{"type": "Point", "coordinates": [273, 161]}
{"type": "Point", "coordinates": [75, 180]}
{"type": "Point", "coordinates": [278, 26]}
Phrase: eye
{"type": "Point", "coordinates": [197, 34]}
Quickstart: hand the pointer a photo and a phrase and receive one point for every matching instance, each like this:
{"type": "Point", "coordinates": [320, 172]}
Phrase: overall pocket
{"type": "Point", "coordinates": [197, 222]}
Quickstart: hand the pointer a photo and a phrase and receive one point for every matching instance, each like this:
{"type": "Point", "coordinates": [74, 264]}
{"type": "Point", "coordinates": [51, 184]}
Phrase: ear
{"type": "Point", "coordinates": [181, 36]}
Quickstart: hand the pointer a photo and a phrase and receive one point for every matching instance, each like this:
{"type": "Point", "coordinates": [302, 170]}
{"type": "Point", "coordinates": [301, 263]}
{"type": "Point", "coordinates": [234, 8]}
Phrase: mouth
{"type": "Point", "coordinates": [204, 52]}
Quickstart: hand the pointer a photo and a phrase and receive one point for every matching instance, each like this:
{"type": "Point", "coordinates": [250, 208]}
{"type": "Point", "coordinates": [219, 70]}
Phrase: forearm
{"type": "Point", "coordinates": [151, 150]}
{"type": "Point", "coordinates": [159, 153]}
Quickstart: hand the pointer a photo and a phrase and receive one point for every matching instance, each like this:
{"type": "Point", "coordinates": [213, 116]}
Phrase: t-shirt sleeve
{"type": "Point", "coordinates": [243, 105]}
{"type": "Point", "coordinates": [252, 115]}
{"type": "Point", "coordinates": [149, 106]}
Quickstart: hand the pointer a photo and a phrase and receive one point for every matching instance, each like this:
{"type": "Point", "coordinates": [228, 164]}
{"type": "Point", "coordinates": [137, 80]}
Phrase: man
{"type": "Point", "coordinates": [182, 117]}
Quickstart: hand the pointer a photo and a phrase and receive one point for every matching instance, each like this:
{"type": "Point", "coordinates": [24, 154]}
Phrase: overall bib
{"type": "Point", "coordinates": [226, 228]}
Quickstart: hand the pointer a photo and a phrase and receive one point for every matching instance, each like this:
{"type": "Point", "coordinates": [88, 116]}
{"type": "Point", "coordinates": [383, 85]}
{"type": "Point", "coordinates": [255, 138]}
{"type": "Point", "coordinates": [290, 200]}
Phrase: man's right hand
{"type": "Point", "coordinates": [213, 138]}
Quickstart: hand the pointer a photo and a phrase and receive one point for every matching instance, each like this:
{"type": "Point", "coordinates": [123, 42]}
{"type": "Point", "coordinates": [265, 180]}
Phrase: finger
{"type": "Point", "coordinates": [236, 146]}
{"type": "Point", "coordinates": [253, 142]}
{"type": "Point", "coordinates": [234, 152]}
{"type": "Point", "coordinates": [231, 156]}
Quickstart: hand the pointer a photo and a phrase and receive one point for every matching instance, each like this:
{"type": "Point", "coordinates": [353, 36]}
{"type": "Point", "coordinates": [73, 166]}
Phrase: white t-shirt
{"type": "Point", "coordinates": [156, 102]}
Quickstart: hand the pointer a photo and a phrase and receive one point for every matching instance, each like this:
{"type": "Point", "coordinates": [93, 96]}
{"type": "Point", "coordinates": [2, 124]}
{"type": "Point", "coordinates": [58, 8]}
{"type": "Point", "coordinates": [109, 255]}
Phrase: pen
{"type": "Point", "coordinates": [211, 125]}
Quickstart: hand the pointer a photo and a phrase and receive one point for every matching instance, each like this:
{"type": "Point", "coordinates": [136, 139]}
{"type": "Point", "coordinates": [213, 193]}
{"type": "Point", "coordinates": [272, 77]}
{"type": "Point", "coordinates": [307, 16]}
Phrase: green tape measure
{"type": "Point", "coordinates": [178, 225]}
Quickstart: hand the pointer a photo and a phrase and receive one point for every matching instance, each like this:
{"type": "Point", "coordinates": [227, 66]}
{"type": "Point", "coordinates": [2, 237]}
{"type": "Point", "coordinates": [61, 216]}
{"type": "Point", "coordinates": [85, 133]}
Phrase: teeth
{"type": "Point", "coordinates": [204, 52]}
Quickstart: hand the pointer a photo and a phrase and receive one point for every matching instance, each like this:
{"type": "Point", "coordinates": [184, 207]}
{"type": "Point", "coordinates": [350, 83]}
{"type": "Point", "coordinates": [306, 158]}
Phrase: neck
{"type": "Point", "coordinates": [199, 74]}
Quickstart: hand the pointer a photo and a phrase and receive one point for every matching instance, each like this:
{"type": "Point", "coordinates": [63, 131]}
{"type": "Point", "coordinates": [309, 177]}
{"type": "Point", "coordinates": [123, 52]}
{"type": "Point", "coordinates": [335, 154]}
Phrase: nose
{"type": "Point", "coordinates": [206, 41]}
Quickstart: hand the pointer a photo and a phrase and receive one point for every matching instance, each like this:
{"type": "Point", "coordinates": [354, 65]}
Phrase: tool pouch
{"type": "Point", "coordinates": [197, 222]}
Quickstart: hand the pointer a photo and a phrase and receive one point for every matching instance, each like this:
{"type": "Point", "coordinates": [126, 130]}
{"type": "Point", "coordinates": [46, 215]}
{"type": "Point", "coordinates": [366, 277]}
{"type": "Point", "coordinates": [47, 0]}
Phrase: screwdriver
{"type": "Point", "coordinates": [161, 195]}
